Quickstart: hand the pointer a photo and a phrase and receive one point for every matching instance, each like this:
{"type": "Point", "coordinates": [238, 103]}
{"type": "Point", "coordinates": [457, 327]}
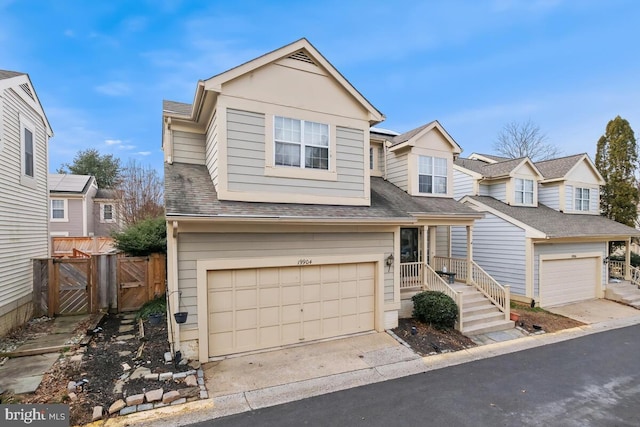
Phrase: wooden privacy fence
{"type": "Point", "coordinates": [85, 285]}
{"type": "Point", "coordinates": [67, 246]}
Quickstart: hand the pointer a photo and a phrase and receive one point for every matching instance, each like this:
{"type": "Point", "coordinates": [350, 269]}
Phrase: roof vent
{"type": "Point", "coordinates": [25, 87]}
{"type": "Point", "coordinates": [302, 56]}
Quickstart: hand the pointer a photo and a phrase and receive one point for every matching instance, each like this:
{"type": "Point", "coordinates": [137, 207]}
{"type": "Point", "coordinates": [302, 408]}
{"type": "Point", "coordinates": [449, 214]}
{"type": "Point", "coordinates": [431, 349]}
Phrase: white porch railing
{"type": "Point", "coordinates": [496, 293]}
{"type": "Point", "coordinates": [410, 275]}
{"type": "Point", "coordinates": [617, 270]}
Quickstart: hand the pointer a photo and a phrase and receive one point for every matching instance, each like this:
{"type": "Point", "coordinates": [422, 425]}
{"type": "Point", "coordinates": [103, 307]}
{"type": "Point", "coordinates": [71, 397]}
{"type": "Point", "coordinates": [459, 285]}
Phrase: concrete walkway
{"type": "Point", "coordinates": [245, 394]}
{"type": "Point", "coordinates": [23, 374]}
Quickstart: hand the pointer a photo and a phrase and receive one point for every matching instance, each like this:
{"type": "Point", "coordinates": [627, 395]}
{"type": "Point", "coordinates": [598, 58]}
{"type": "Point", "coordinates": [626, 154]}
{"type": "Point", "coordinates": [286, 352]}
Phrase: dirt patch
{"type": "Point", "coordinates": [427, 340]}
{"type": "Point", "coordinates": [536, 319]}
{"type": "Point", "coordinates": [102, 365]}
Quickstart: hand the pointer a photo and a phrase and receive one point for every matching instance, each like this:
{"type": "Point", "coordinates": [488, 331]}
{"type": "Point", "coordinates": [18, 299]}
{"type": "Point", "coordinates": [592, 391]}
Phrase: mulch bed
{"type": "Point", "coordinates": [429, 340]}
{"type": "Point", "coordinates": [102, 366]}
{"type": "Point", "coordinates": [536, 319]}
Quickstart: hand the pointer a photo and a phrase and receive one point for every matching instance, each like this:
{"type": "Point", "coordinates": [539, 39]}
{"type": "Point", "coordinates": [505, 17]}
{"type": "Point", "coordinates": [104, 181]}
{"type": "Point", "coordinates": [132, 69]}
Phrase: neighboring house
{"type": "Point", "coordinates": [79, 208]}
{"type": "Point", "coordinates": [288, 219]}
{"type": "Point", "coordinates": [542, 232]}
{"type": "Point", "coordinates": [24, 235]}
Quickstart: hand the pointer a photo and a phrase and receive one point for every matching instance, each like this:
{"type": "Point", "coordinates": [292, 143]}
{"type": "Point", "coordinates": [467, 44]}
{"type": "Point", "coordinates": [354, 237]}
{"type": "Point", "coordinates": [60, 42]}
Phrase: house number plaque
{"type": "Point", "coordinates": [304, 261]}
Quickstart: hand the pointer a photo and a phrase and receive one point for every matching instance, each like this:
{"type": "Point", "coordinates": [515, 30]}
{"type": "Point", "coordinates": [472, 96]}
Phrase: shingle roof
{"type": "Point", "coordinates": [67, 183]}
{"type": "Point", "coordinates": [6, 74]}
{"type": "Point", "coordinates": [494, 157]}
{"type": "Point", "coordinates": [489, 170]}
{"type": "Point", "coordinates": [403, 137]}
{"type": "Point", "coordinates": [189, 191]}
{"type": "Point", "coordinates": [105, 193]}
{"type": "Point", "coordinates": [558, 168]}
{"type": "Point", "coordinates": [176, 107]}
{"type": "Point", "coordinates": [557, 224]}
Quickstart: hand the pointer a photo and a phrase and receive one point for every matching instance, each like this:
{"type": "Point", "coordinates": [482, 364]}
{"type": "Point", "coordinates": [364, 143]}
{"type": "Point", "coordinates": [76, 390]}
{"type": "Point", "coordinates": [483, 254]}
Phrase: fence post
{"type": "Point", "coordinates": [53, 288]}
{"type": "Point", "coordinates": [37, 287]}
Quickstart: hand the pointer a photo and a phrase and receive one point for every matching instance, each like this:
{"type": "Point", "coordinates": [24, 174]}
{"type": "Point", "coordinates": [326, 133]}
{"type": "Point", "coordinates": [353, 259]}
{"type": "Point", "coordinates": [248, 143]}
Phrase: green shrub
{"type": "Point", "coordinates": [155, 306]}
{"type": "Point", "coordinates": [143, 238]}
{"type": "Point", "coordinates": [435, 308]}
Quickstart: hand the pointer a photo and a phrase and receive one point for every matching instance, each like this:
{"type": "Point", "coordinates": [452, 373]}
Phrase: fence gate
{"type": "Point", "coordinates": [132, 283]}
{"type": "Point", "coordinates": [71, 289]}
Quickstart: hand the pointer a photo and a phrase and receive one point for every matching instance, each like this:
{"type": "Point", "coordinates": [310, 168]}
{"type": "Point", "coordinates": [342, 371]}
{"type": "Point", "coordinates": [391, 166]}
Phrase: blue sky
{"type": "Point", "coordinates": [102, 68]}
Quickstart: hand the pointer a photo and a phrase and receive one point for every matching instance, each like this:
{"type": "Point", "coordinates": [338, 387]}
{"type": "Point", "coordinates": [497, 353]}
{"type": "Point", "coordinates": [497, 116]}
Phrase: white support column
{"type": "Point", "coordinates": [627, 260]}
{"type": "Point", "coordinates": [432, 244]}
{"type": "Point", "coordinates": [469, 254]}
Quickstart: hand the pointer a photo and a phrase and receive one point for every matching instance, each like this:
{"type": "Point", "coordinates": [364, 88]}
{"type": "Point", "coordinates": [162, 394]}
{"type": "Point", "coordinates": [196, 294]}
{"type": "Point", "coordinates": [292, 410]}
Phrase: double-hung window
{"type": "Point", "coordinates": [58, 210]}
{"type": "Point", "coordinates": [582, 199]}
{"type": "Point", "coordinates": [301, 143]}
{"type": "Point", "coordinates": [106, 213]}
{"type": "Point", "coordinates": [524, 191]}
{"type": "Point", "coordinates": [432, 175]}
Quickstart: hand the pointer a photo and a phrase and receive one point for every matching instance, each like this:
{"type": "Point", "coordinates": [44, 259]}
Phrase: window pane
{"type": "Point", "coordinates": [287, 154]}
{"type": "Point", "coordinates": [316, 158]}
{"type": "Point", "coordinates": [440, 166]}
{"type": "Point", "coordinates": [425, 184]}
{"type": "Point", "coordinates": [28, 152]}
{"type": "Point", "coordinates": [370, 157]}
{"type": "Point", "coordinates": [440, 185]}
{"type": "Point", "coordinates": [316, 134]}
{"type": "Point", "coordinates": [425, 165]}
{"type": "Point", "coordinates": [108, 211]}
{"type": "Point", "coordinates": [287, 129]}
{"type": "Point", "coordinates": [528, 185]}
{"type": "Point", "coordinates": [528, 198]}
{"type": "Point", "coordinates": [519, 184]}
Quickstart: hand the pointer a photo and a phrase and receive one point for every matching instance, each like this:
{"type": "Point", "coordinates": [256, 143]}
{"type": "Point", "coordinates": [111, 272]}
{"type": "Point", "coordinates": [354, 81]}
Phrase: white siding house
{"type": "Point", "coordinates": [24, 201]}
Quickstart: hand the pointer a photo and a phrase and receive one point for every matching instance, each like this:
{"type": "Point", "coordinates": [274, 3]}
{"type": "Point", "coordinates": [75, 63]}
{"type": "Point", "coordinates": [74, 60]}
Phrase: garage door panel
{"type": "Point", "coordinates": [269, 316]}
{"type": "Point", "coordinates": [565, 281]}
{"type": "Point", "coordinates": [266, 307]}
{"type": "Point", "coordinates": [246, 298]}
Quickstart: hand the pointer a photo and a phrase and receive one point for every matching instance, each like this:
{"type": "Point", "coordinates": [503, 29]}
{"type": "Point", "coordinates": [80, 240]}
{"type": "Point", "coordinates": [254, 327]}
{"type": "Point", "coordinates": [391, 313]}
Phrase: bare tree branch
{"type": "Point", "coordinates": [524, 140]}
{"type": "Point", "coordinates": [139, 193]}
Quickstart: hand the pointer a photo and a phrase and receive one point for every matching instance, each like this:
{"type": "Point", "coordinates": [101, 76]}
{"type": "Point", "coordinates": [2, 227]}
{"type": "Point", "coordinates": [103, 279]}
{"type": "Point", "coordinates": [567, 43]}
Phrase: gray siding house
{"type": "Point", "coordinates": [542, 232]}
{"type": "Point", "coordinates": [24, 137]}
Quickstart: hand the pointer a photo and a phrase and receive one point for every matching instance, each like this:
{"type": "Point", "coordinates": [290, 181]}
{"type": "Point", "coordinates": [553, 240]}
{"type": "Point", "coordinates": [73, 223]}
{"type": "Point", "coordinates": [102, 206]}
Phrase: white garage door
{"type": "Point", "coordinates": [564, 281]}
{"type": "Point", "coordinates": [251, 309]}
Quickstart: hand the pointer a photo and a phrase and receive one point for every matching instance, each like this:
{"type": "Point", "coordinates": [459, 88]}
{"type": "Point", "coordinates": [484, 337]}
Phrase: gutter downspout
{"type": "Point", "coordinates": [173, 288]}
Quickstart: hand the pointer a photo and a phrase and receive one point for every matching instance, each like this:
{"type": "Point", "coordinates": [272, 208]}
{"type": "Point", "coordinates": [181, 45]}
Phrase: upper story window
{"type": "Point", "coordinates": [524, 191]}
{"type": "Point", "coordinates": [106, 213]}
{"type": "Point", "coordinates": [301, 143]}
{"type": "Point", "coordinates": [432, 175]}
{"type": "Point", "coordinates": [58, 210]}
{"type": "Point", "coordinates": [371, 158]}
{"type": "Point", "coordinates": [582, 199]}
{"type": "Point", "coordinates": [27, 151]}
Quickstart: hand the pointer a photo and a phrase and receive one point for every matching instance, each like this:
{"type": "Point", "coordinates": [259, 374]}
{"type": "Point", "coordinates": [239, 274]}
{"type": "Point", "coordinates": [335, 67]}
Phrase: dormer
{"type": "Point", "coordinates": [285, 127]}
{"type": "Point", "coordinates": [571, 185]}
{"type": "Point", "coordinates": [421, 161]}
{"type": "Point", "coordinates": [379, 139]}
{"type": "Point", "coordinates": [512, 181]}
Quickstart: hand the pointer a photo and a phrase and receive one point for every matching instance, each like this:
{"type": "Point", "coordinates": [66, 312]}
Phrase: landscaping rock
{"type": "Point", "coordinates": [126, 366]}
{"type": "Point", "coordinates": [117, 389]}
{"type": "Point", "coordinates": [204, 394]}
{"type": "Point", "coordinates": [97, 413]}
{"type": "Point", "coordinates": [125, 328]}
{"type": "Point", "coordinates": [170, 396]}
{"type": "Point", "coordinates": [165, 376]}
{"type": "Point", "coordinates": [168, 357]}
{"type": "Point", "coordinates": [71, 386]}
{"type": "Point", "coordinates": [200, 381]}
{"type": "Point", "coordinates": [140, 373]}
{"type": "Point", "coordinates": [179, 375]}
{"type": "Point", "coordinates": [179, 401]}
{"type": "Point", "coordinates": [191, 381]}
{"type": "Point", "coordinates": [136, 399]}
{"type": "Point", "coordinates": [125, 337]}
{"type": "Point", "coordinates": [189, 392]}
{"type": "Point", "coordinates": [153, 377]}
{"type": "Point", "coordinates": [124, 353]}
{"type": "Point", "coordinates": [117, 406]}
{"type": "Point", "coordinates": [73, 396]}
{"type": "Point", "coordinates": [77, 358]}
{"type": "Point", "coordinates": [194, 364]}
{"type": "Point", "coordinates": [154, 395]}
{"type": "Point", "coordinates": [145, 407]}
{"type": "Point", "coordinates": [128, 410]}
{"type": "Point", "coordinates": [200, 373]}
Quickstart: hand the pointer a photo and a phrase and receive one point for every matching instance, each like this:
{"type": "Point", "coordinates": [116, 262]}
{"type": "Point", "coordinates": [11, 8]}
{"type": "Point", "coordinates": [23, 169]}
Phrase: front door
{"type": "Point", "coordinates": [410, 248]}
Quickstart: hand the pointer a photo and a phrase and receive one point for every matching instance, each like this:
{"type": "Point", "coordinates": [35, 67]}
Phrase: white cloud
{"type": "Point", "coordinates": [126, 147]}
{"type": "Point", "coordinates": [114, 89]}
{"type": "Point", "coordinates": [113, 141]}
{"type": "Point", "coordinates": [144, 153]}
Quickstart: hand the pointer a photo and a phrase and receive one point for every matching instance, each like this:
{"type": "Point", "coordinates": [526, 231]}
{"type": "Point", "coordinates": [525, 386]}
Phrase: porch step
{"type": "Point", "coordinates": [624, 292]}
{"type": "Point", "coordinates": [479, 315]}
{"type": "Point", "coordinates": [481, 319]}
{"type": "Point", "coordinates": [484, 308]}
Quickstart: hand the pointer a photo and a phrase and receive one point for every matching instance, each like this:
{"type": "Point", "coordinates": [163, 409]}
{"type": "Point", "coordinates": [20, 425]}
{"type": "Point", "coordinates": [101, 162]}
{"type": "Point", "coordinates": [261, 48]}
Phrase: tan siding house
{"type": "Point", "coordinates": [283, 221]}
{"type": "Point", "coordinates": [24, 137]}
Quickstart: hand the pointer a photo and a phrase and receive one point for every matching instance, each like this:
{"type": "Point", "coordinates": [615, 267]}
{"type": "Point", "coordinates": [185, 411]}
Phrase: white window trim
{"type": "Point", "coordinates": [524, 192]}
{"type": "Point", "coordinates": [433, 175]}
{"type": "Point", "coordinates": [271, 169]}
{"type": "Point", "coordinates": [65, 218]}
{"type": "Point", "coordinates": [29, 181]}
{"type": "Point", "coordinates": [113, 213]}
{"type": "Point", "coordinates": [303, 145]}
{"type": "Point", "coordinates": [581, 199]}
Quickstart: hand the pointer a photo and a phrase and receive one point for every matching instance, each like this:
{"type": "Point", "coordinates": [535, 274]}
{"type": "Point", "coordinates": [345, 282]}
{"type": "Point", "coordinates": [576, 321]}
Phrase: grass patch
{"type": "Point", "coordinates": [525, 307]}
{"type": "Point", "coordinates": [155, 306]}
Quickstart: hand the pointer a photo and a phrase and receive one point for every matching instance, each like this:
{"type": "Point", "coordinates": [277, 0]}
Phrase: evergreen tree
{"type": "Point", "coordinates": [617, 160]}
{"type": "Point", "coordinates": [105, 167]}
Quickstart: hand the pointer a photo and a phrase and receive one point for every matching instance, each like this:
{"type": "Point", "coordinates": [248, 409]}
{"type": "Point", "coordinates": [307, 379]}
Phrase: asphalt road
{"type": "Point", "coordinates": [588, 381]}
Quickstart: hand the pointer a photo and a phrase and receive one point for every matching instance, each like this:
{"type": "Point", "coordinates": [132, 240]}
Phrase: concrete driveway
{"type": "Point", "coordinates": [596, 311]}
{"type": "Point", "coordinates": [300, 363]}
